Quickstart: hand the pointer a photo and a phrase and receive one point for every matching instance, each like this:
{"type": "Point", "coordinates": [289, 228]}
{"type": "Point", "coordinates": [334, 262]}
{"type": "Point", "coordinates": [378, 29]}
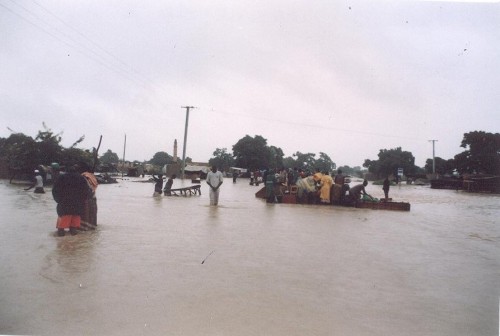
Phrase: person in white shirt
{"type": "Point", "coordinates": [214, 180]}
{"type": "Point", "coordinates": [37, 183]}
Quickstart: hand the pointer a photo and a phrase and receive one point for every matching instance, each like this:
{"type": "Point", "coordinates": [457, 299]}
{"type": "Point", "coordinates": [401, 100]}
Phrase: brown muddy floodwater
{"type": "Point", "coordinates": [269, 269]}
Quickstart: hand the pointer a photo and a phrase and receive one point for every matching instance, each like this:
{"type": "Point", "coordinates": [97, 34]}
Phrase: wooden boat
{"type": "Point", "coordinates": [383, 204]}
{"type": "Point", "coordinates": [262, 192]}
{"type": "Point", "coordinates": [105, 179]}
{"type": "Point", "coordinates": [447, 183]}
{"type": "Point", "coordinates": [482, 183]}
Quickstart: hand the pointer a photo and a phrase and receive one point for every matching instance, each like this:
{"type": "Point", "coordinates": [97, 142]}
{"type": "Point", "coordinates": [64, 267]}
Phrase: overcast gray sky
{"type": "Point", "coordinates": [346, 78]}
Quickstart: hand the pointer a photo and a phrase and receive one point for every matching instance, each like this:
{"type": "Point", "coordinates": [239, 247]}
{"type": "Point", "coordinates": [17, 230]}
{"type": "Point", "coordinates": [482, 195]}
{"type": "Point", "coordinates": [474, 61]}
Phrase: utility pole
{"type": "Point", "coordinates": [124, 146]}
{"type": "Point", "coordinates": [185, 139]}
{"type": "Point", "coordinates": [433, 157]}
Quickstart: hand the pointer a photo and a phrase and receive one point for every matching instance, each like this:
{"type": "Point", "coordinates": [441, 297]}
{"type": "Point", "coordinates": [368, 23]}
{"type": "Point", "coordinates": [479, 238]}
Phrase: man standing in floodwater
{"type": "Point", "coordinates": [214, 180]}
{"type": "Point", "coordinates": [386, 187]}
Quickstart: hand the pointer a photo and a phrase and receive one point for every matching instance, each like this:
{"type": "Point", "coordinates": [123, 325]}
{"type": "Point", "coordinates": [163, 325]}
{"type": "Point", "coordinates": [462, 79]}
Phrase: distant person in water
{"type": "Point", "coordinates": [214, 181]}
{"type": "Point", "coordinates": [387, 185]}
{"type": "Point", "coordinates": [70, 192]}
{"type": "Point", "coordinates": [37, 183]}
{"type": "Point", "coordinates": [270, 183]}
{"type": "Point", "coordinates": [168, 185]}
{"type": "Point", "coordinates": [158, 184]}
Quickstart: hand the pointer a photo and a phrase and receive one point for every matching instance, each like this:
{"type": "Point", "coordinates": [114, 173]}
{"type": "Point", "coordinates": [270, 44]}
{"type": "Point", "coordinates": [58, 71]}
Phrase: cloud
{"type": "Point", "coordinates": [344, 79]}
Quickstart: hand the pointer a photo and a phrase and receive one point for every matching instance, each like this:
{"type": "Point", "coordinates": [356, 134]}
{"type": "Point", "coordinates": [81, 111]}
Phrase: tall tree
{"type": "Point", "coordinates": [482, 154]}
{"type": "Point", "coordinates": [160, 159]}
{"type": "Point", "coordinates": [442, 166]}
{"type": "Point", "coordinates": [49, 147]}
{"type": "Point", "coordinates": [73, 155]}
{"type": "Point", "coordinates": [289, 162]}
{"type": "Point", "coordinates": [23, 153]}
{"type": "Point", "coordinates": [305, 161]}
{"type": "Point", "coordinates": [324, 163]}
{"type": "Point", "coordinates": [251, 153]}
{"type": "Point", "coordinates": [109, 158]}
{"type": "Point", "coordinates": [389, 160]}
{"type": "Point", "coordinates": [221, 159]}
{"type": "Point", "coordinates": [19, 151]}
{"type": "Point", "coordinates": [275, 157]}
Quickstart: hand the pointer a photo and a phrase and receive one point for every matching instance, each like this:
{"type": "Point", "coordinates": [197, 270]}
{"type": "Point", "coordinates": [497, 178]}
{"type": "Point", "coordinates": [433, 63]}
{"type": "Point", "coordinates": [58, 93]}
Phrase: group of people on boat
{"type": "Point", "coordinates": [317, 187]}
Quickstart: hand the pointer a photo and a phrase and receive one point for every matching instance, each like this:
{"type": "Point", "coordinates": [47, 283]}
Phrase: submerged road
{"type": "Point", "coordinates": [176, 266]}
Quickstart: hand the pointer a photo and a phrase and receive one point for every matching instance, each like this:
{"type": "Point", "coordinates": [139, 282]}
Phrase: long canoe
{"type": "Point", "coordinates": [381, 205]}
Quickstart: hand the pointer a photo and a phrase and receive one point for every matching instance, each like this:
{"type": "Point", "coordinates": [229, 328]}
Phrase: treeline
{"type": "Point", "coordinates": [22, 153]}
{"type": "Point", "coordinates": [481, 155]}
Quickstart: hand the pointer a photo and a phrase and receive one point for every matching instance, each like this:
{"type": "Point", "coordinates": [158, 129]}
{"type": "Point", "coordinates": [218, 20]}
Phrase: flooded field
{"type": "Point", "coordinates": [177, 266]}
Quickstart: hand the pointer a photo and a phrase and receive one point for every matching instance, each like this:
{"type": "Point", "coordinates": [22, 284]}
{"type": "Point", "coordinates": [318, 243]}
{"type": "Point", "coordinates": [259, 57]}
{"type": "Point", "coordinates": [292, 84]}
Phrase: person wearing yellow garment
{"type": "Point", "coordinates": [326, 183]}
{"type": "Point", "coordinates": [317, 176]}
{"type": "Point", "coordinates": [317, 182]}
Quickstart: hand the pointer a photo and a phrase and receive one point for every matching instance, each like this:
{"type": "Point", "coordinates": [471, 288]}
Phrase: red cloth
{"type": "Point", "coordinates": [67, 221]}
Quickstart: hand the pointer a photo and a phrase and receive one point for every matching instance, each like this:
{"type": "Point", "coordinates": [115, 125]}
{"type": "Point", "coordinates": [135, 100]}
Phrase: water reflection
{"type": "Point", "coordinates": [275, 269]}
{"type": "Point", "coordinates": [72, 257]}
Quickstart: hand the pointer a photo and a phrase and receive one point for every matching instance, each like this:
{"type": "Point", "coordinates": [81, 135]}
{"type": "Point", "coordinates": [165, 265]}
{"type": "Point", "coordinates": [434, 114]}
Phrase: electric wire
{"type": "Point", "coordinates": [74, 44]}
{"type": "Point", "coordinates": [129, 68]}
{"type": "Point", "coordinates": [131, 74]}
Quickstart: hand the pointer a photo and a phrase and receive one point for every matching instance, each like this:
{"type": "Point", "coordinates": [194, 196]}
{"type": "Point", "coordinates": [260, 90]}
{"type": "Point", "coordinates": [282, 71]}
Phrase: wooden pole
{"type": "Point", "coordinates": [185, 140]}
{"type": "Point", "coordinates": [123, 161]}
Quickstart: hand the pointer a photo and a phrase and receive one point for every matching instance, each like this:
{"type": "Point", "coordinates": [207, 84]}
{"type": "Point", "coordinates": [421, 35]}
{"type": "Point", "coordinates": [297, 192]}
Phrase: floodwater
{"type": "Point", "coordinates": [177, 266]}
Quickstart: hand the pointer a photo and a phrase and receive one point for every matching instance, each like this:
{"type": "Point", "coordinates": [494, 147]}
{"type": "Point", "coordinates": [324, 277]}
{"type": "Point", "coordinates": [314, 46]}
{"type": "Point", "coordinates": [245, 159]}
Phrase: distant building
{"type": "Point", "coordinates": [196, 170]}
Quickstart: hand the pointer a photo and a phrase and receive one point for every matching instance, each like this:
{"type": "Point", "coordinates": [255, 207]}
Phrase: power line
{"type": "Point", "coordinates": [281, 121]}
{"type": "Point", "coordinates": [97, 54]}
{"type": "Point", "coordinates": [76, 45]}
{"type": "Point", "coordinates": [132, 70]}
